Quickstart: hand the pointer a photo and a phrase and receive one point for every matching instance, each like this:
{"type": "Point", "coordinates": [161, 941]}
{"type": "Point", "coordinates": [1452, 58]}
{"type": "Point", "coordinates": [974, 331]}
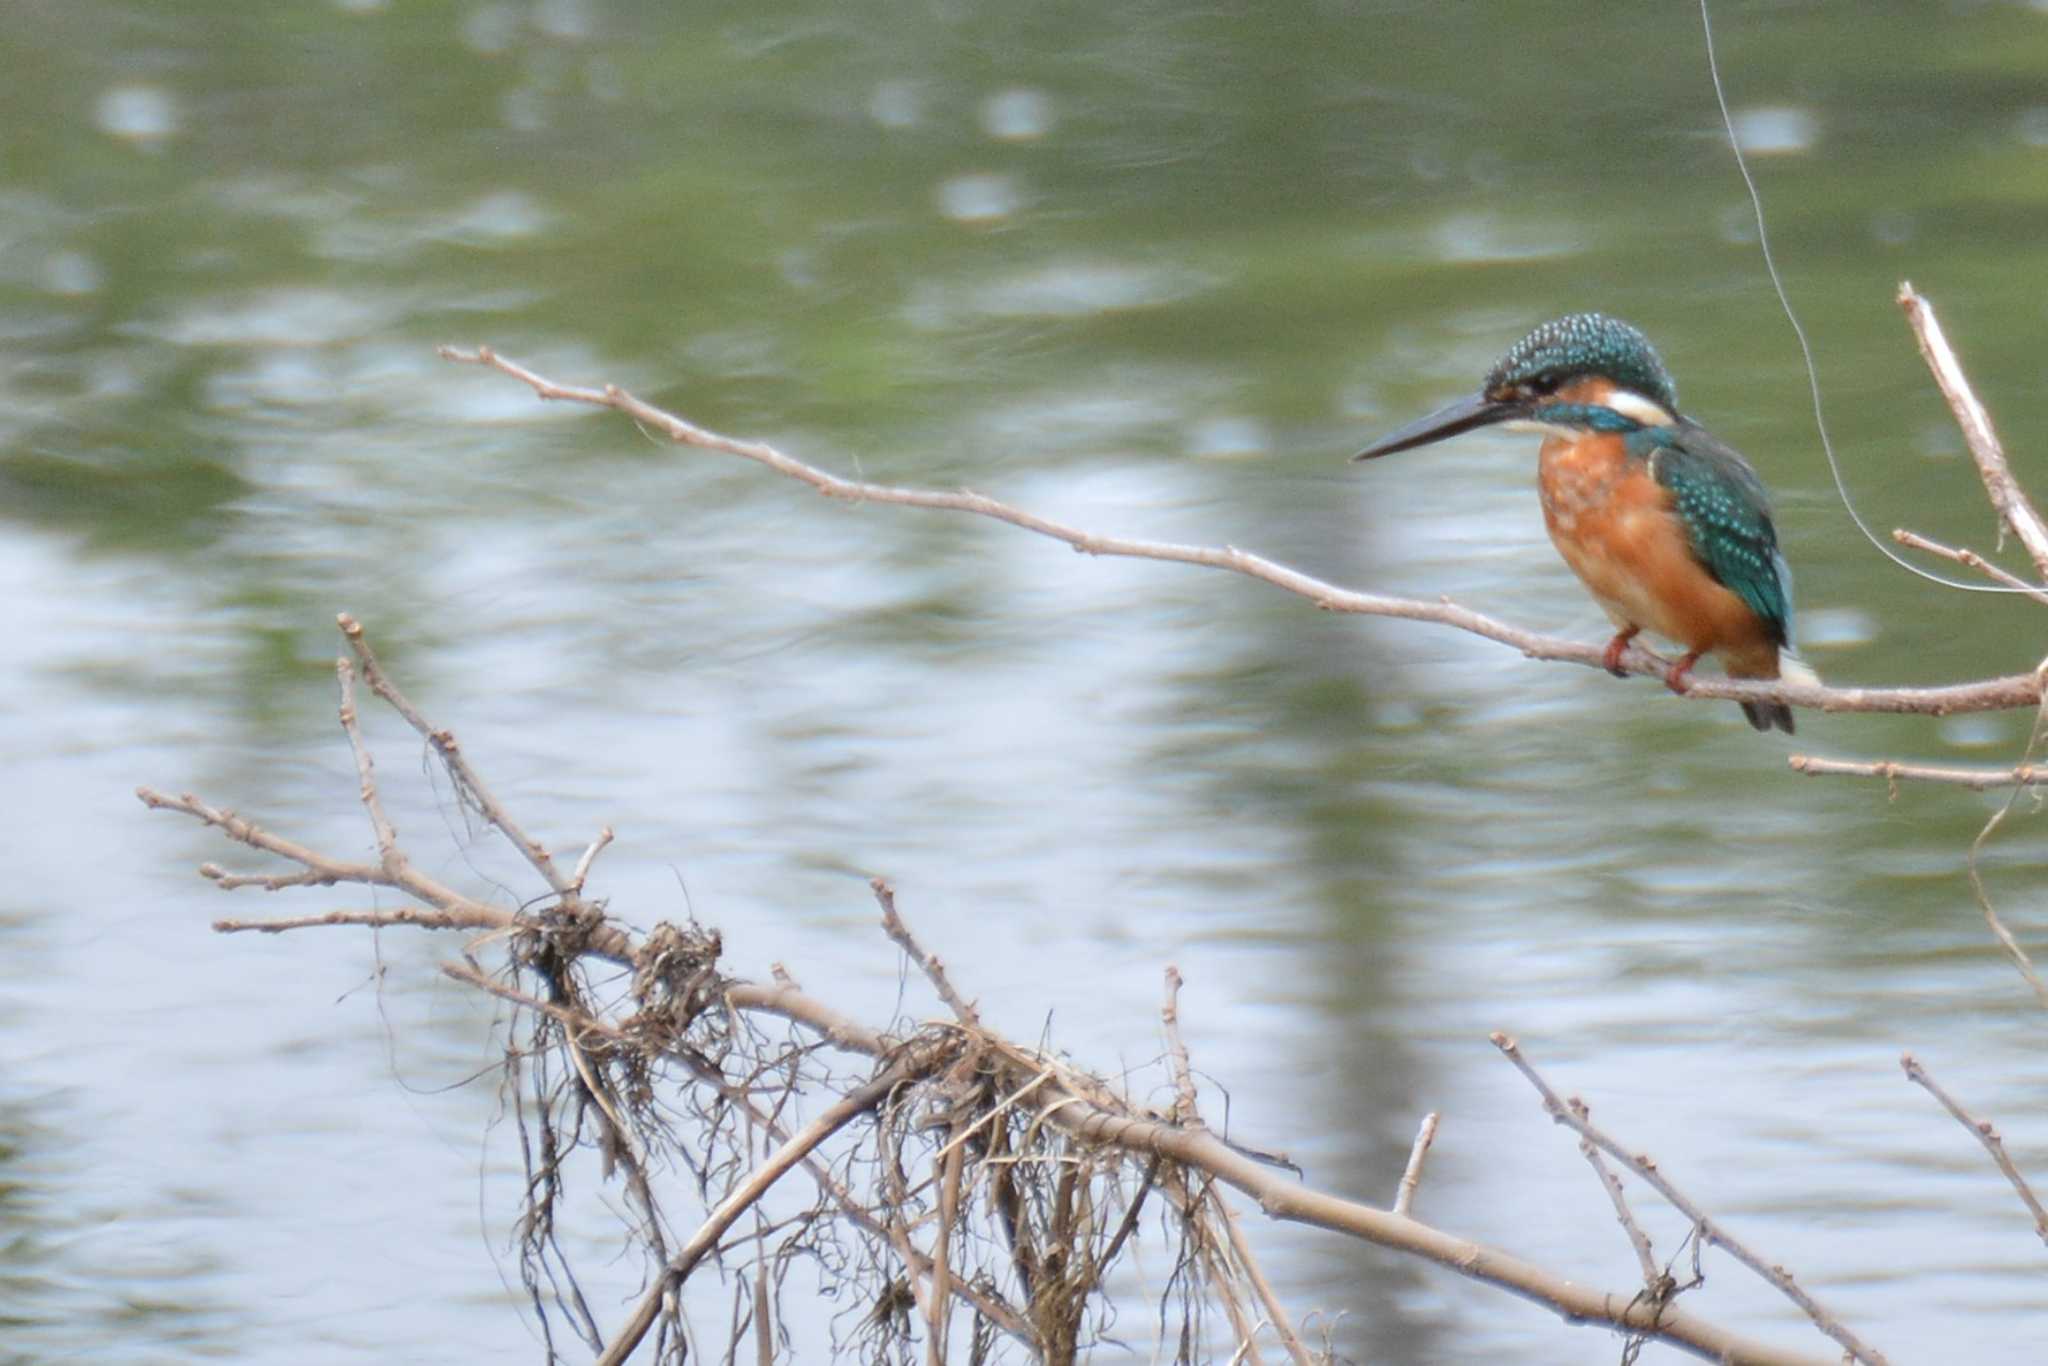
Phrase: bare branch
{"type": "Point", "coordinates": [2014, 509]}
{"type": "Point", "coordinates": [1655, 1281]}
{"type": "Point", "coordinates": [1970, 559]}
{"type": "Point", "coordinates": [1411, 1175]}
{"type": "Point", "coordinates": [2023, 775]}
{"type": "Point", "coordinates": [941, 1259]}
{"type": "Point", "coordinates": [1986, 1134]}
{"type": "Point", "coordinates": [394, 860]}
{"type": "Point", "coordinates": [1709, 1230]}
{"type": "Point", "coordinates": [1276, 1312]}
{"type": "Point", "coordinates": [929, 964]}
{"type": "Point", "coordinates": [443, 743]}
{"type": "Point", "coordinates": [577, 878]}
{"type": "Point", "coordinates": [420, 917]}
{"type": "Point", "coordinates": [1996, 694]}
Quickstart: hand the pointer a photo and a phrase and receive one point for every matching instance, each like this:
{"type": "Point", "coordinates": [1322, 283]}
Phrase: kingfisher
{"type": "Point", "coordinates": [1668, 527]}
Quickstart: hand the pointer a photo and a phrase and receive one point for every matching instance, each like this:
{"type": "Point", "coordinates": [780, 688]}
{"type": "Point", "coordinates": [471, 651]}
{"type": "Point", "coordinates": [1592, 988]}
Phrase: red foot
{"type": "Point", "coordinates": [1675, 677]}
{"type": "Point", "coordinates": [1612, 659]}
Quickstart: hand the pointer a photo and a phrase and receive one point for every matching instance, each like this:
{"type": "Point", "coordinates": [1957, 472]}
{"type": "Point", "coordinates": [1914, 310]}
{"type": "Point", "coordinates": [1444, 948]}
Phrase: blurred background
{"type": "Point", "coordinates": [1154, 269]}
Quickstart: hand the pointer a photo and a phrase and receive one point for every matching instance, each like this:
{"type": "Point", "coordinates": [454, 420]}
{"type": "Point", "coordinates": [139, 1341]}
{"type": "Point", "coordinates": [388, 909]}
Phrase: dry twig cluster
{"type": "Point", "coordinates": [972, 1194]}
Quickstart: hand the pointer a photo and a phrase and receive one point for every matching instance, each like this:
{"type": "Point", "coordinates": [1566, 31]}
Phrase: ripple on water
{"type": "Point", "coordinates": [1079, 287]}
{"type": "Point", "coordinates": [277, 317]}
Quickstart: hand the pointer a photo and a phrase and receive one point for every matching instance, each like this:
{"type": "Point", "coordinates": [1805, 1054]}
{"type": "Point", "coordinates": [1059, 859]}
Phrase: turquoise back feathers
{"type": "Point", "coordinates": [1727, 516]}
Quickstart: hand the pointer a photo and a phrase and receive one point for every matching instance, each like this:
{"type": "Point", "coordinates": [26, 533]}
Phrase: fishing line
{"type": "Point", "coordinates": [1820, 420]}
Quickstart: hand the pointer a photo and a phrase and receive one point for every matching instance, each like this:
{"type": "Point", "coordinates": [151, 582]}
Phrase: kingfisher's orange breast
{"type": "Point", "coordinates": [1619, 530]}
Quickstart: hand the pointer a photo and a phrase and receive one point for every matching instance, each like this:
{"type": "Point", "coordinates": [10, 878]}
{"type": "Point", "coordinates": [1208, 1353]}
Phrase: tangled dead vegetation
{"type": "Point", "coordinates": [962, 1196]}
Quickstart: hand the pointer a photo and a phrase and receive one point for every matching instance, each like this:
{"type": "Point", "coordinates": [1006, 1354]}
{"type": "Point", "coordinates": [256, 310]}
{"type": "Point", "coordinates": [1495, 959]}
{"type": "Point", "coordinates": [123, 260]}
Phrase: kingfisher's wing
{"type": "Point", "coordinates": [1727, 517]}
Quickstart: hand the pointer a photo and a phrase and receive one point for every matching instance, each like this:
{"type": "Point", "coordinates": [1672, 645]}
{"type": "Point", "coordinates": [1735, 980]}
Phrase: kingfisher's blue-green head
{"type": "Point", "coordinates": [1582, 373]}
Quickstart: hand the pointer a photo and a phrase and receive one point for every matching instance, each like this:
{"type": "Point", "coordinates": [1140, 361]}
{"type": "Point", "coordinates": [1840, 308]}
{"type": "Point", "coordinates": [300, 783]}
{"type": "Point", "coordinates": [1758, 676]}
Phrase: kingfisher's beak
{"type": "Point", "coordinates": [1474, 410]}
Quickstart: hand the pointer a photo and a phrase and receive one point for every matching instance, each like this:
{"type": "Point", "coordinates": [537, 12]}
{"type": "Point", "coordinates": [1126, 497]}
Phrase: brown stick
{"type": "Point", "coordinates": [1654, 1279]}
{"type": "Point", "coordinates": [1709, 1230]}
{"type": "Point", "coordinates": [2022, 775]}
{"type": "Point", "coordinates": [2014, 509]}
{"type": "Point", "coordinates": [941, 1258]}
{"type": "Point", "coordinates": [928, 964]}
{"type": "Point", "coordinates": [1411, 1175]}
{"type": "Point", "coordinates": [1996, 694]}
{"type": "Point", "coordinates": [1276, 1312]}
{"type": "Point", "coordinates": [1972, 560]}
{"type": "Point", "coordinates": [1986, 1134]}
{"type": "Point", "coordinates": [444, 744]}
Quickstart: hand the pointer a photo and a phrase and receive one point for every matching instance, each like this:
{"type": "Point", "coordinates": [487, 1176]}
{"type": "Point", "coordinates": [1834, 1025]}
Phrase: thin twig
{"type": "Point", "coordinates": [1986, 1134]}
{"type": "Point", "coordinates": [942, 1245]}
{"type": "Point", "coordinates": [1972, 560]}
{"type": "Point", "coordinates": [393, 859]}
{"type": "Point", "coordinates": [1655, 1281]}
{"type": "Point", "coordinates": [1188, 1115]}
{"type": "Point", "coordinates": [1981, 779]}
{"type": "Point", "coordinates": [444, 744]}
{"type": "Point", "coordinates": [2014, 509]}
{"type": "Point", "coordinates": [1709, 1230]}
{"type": "Point", "coordinates": [1196, 1197]}
{"type": "Point", "coordinates": [1411, 1175]}
{"type": "Point", "coordinates": [420, 917]}
{"type": "Point", "coordinates": [1276, 1312]}
{"type": "Point", "coordinates": [929, 964]}
{"type": "Point", "coordinates": [269, 882]}
{"type": "Point", "coordinates": [1185, 1110]}
{"type": "Point", "coordinates": [1130, 1219]}
{"type": "Point", "coordinates": [1997, 694]}
{"type": "Point", "coordinates": [897, 1226]}
{"type": "Point", "coordinates": [577, 878]}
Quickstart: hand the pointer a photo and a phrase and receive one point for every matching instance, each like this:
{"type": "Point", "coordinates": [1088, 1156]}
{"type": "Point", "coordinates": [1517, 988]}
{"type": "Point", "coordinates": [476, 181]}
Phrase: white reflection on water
{"type": "Point", "coordinates": [979, 197]}
{"type": "Point", "coordinates": [1017, 115]}
{"type": "Point", "coordinates": [145, 115]}
{"type": "Point", "coordinates": [1776, 130]}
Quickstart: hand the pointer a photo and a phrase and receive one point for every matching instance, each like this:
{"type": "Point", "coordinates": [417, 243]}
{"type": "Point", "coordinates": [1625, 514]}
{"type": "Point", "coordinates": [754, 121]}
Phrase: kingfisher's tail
{"type": "Point", "coordinates": [1765, 715]}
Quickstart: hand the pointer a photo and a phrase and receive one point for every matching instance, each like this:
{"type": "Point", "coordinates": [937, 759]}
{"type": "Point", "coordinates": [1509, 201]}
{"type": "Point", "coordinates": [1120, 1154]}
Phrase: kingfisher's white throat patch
{"type": "Point", "coordinates": [1629, 403]}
